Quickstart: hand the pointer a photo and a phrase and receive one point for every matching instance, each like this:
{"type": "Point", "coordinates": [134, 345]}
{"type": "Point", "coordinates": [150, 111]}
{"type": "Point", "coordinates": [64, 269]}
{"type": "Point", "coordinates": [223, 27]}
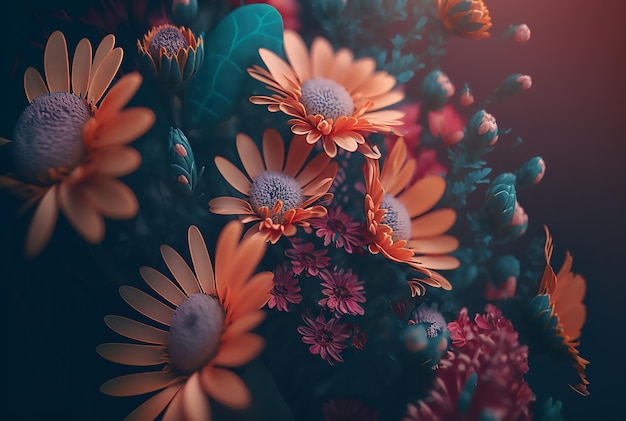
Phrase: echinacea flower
{"type": "Point", "coordinates": [559, 311]}
{"type": "Point", "coordinates": [304, 258]}
{"type": "Point", "coordinates": [467, 18]}
{"type": "Point", "coordinates": [339, 227]}
{"type": "Point", "coordinates": [343, 292]}
{"type": "Point", "coordinates": [279, 192]}
{"type": "Point", "coordinates": [209, 315]}
{"type": "Point", "coordinates": [285, 290]}
{"type": "Point", "coordinates": [330, 96]}
{"type": "Point", "coordinates": [69, 146]}
{"type": "Point", "coordinates": [327, 338]}
{"type": "Point", "coordinates": [399, 223]}
{"type": "Point", "coordinates": [171, 54]}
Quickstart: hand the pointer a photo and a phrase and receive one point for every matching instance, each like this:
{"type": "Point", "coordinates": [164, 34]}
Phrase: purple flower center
{"type": "Point", "coordinates": [195, 332]}
{"type": "Point", "coordinates": [169, 37]}
{"type": "Point", "coordinates": [49, 135]}
{"type": "Point", "coordinates": [327, 98]}
{"type": "Point", "coordinates": [271, 186]}
{"type": "Point", "coordinates": [431, 319]}
{"type": "Point", "coordinates": [397, 217]}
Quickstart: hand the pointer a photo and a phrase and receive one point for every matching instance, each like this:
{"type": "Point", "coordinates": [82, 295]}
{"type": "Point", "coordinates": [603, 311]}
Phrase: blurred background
{"type": "Point", "coordinates": [574, 117]}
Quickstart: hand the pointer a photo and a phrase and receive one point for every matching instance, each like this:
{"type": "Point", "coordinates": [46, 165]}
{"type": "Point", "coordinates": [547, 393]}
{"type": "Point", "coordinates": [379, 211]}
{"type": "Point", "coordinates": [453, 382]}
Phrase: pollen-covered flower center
{"type": "Point", "coordinates": [271, 186]}
{"type": "Point", "coordinates": [169, 37]}
{"type": "Point", "coordinates": [397, 217]}
{"type": "Point", "coordinates": [195, 332]}
{"type": "Point", "coordinates": [49, 136]}
{"type": "Point", "coordinates": [327, 98]}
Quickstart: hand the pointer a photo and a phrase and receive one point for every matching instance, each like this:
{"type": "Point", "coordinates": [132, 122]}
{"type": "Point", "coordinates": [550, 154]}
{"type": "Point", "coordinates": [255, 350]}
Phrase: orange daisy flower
{"type": "Point", "coordinates": [331, 96]}
{"type": "Point", "coordinates": [468, 18]}
{"type": "Point", "coordinates": [279, 193]}
{"type": "Point", "coordinates": [398, 224]}
{"type": "Point", "coordinates": [208, 316]}
{"type": "Point", "coordinates": [69, 147]}
{"type": "Point", "coordinates": [560, 309]}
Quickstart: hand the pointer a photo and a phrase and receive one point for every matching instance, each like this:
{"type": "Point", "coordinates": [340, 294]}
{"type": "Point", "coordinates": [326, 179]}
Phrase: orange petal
{"type": "Point", "coordinates": [162, 285]}
{"type": "Point", "coordinates": [281, 72]}
{"type": "Point", "coordinates": [112, 198]}
{"type": "Point", "coordinates": [434, 223]}
{"type": "Point", "coordinates": [137, 384]}
{"type": "Point", "coordinates": [120, 94]}
{"type": "Point", "coordinates": [201, 260]}
{"type": "Point", "coordinates": [174, 411]}
{"type": "Point", "coordinates": [386, 99]}
{"type": "Point", "coordinates": [244, 324]}
{"type": "Point", "coordinates": [80, 213]}
{"type": "Point", "coordinates": [249, 155]}
{"type": "Point", "coordinates": [393, 163]}
{"type": "Point", "coordinates": [227, 242]}
{"type": "Point", "coordinates": [299, 151]}
{"type": "Point", "coordinates": [150, 409]}
{"type": "Point", "coordinates": [195, 403]}
{"type": "Point", "coordinates": [124, 127]}
{"type": "Point", "coordinates": [226, 205]}
{"type": "Point", "coordinates": [116, 161]}
{"type": "Point", "coordinates": [313, 169]}
{"type": "Point", "coordinates": [132, 354]}
{"type": "Point", "coordinates": [423, 195]}
{"type": "Point", "coordinates": [439, 262]}
{"type": "Point", "coordinates": [321, 57]}
{"type": "Point", "coordinates": [34, 86]}
{"type": "Point", "coordinates": [225, 387]}
{"type": "Point", "coordinates": [81, 68]}
{"type": "Point", "coordinates": [43, 223]}
{"type": "Point", "coordinates": [103, 74]}
{"type": "Point", "coordinates": [380, 83]}
{"type": "Point", "coordinates": [341, 65]}
{"type": "Point", "coordinates": [401, 179]}
{"type": "Point", "coordinates": [181, 270]}
{"type": "Point", "coordinates": [245, 260]}
{"type": "Point", "coordinates": [233, 175]}
{"type": "Point", "coordinates": [436, 245]}
{"type": "Point", "coordinates": [298, 54]}
{"type": "Point", "coordinates": [254, 295]}
{"type": "Point", "coordinates": [239, 350]}
{"type": "Point", "coordinates": [104, 48]}
{"type": "Point", "coordinates": [138, 331]}
{"type": "Point", "coordinates": [56, 64]}
{"type": "Point", "coordinates": [147, 305]}
{"type": "Point", "coordinates": [273, 150]}
{"type": "Point", "coordinates": [360, 71]}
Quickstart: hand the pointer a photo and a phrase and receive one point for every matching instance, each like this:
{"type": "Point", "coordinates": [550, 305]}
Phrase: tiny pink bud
{"type": "Point", "coordinates": [466, 98]}
{"type": "Point", "coordinates": [446, 84]}
{"type": "Point", "coordinates": [522, 33]}
{"type": "Point", "coordinates": [180, 150]}
{"type": "Point", "coordinates": [182, 179]}
{"type": "Point", "coordinates": [525, 82]}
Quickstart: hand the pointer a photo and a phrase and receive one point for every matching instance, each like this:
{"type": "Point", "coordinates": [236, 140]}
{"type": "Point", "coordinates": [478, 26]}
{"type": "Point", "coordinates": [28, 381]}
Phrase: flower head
{"type": "Point", "coordinates": [340, 228]}
{"type": "Point", "coordinates": [343, 292]}
{"type": "Point", "coordinates": [327, 338]}
{"type": "Point", "coordinates": [171, 54]}
{"type": "Point", "coordinates": [330, 96]}
{"type": "Point", "coordinates": [305, 259]}
{"type": "Point", "coordinates": [285, 290]}
{"type": "Point", "coordinates": [70, 143]}
{"type": "Point", "coordinates": [468, 18]}
{"type": "Point", "coordinates": [399, 224]}
{"type": "Point", "coordinates": [209, 314]}
{"type": "Point", "coordinates": [279, 192]}
{"type": "Point", "coordinates": [559, 313]}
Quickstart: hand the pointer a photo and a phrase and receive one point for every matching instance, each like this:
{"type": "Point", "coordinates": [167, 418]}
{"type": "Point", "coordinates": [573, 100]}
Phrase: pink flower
{"type": "Point", "coordinates": [285, 289]}
{"type": "Point", "coordinates": [427, 164]}
{"type": "Point", "coordinates": [521, 33]}
{"type": "Point", "coordinates": [447, 124]}
{"type": "Point", "coordinates": [343, 292]}
{"type": "Point", "coordinates": [303, 257]}
{"type": "Point", "coordinates": [327, 338]}
{"type": "Point", "coordinates": [339, 227]}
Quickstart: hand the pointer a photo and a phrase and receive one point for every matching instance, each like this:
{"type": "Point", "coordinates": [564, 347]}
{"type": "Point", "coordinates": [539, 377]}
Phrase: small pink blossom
{"type": "Point", "coordinates": [343, 291]}
{"type": "Point", "coordinates": [525, 82]}
{"type": "Point", "coordinates": [305, 258]}
{"type": "Point", "coordinates": [327, 338]}
{"type": "Point", "coordinates": [521, 33]}
{"type": "Point", "coordinates": [519, 216]}
{"type": "Point", "coordinates": [340, 228]}
{"type": "Point", "coordinates": [503, 291]}
{"type": "Point", "coordinates": [447, 124]}
{"type": "Point", "coordinates": [285, 290]}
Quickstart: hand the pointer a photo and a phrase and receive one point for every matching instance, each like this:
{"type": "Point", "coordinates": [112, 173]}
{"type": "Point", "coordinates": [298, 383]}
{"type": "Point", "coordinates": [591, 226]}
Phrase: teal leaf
{"type": "Point", "coordinates": [231, 48]}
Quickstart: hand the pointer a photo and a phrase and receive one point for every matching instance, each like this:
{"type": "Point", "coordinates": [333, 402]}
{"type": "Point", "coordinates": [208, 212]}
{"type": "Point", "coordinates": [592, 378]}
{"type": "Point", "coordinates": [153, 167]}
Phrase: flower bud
{"type": "Point", "coordinates": [504, 272]}
{"type": "Point", "coordinates": [482, 129]}
{"type": "Point", "coordinates": [500, 202]}
{"type": "Point", "coordinates": [467, 97]}
{"type": "Point", "coordinates": [184, 11]}
{"type": "Point", "coordinates": [427, 337]}
{"type": "Point", "coordinates": [183, 172]}
{"type": "Point", "coordinates": [531, 172]}
{"type": "Point", "coordinates": [519, 33]}
{"type": "Point", "coordinates": [436, 89]}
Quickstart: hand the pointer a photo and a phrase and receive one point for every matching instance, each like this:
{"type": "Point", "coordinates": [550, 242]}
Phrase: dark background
{"type": "Point", "coordinates": [574, 117]}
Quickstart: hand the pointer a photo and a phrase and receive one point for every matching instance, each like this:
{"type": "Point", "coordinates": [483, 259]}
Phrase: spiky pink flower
{"type": "Point", "coordinates": [344, 291]}
{"type": "Point", "coordinates": [327, 338]}
{"type": "Point", "coordinates": [305, 258]}
{"type": "Point", "coordinates": [285, 290]}
{"type": "Point", "coordinates": [339, 228]}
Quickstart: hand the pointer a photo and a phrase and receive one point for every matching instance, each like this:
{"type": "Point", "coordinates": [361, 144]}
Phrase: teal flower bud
{"type": "Point", "coordinates": [427, 337]}
{"type": "Point", "coordinates": [512, 85]}
{"type": "Point", "coordinates": [482, 129]}
{"type": "Point", "coordinates": [501, 198]}
{"type": "Point", "coordinates": [184, 11]}
{"type": "Point", "coordinates": [504, 272]}
{"type": "Point", "coordinates": [436, 89]}
{"type": "Point", "coordinates": [531, 172]}
{"type": "Point", "coordinates": [183, 172]}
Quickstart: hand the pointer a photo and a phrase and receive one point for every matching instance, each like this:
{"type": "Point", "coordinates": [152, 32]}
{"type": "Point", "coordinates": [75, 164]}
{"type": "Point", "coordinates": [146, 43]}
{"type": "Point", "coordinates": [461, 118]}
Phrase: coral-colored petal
{"type": "Point", "coordinates": [434, 223]}
{"type": "Point", "coordinates": [239, 350]}
{"type": "Point", "coordinates": [439, 262]}
{"type": "Point", "coordinates": [399, 181]}
{"type": "Point", "coordinates": [245, 261]}
{"type": "Point", "coordinates": [249, 155]}
{"type": "Point", "coordinates": [195, 403]}
{"type": "Point", "coordinates": [360, 71]}
{"type": "Point", "coordinates": [273, 150]}
{"type": "Point", "coordinates": [227, 205]}
{"type": "Point", "coordinates": [104, 48]}
{"type": "Point", "coordinates": [132, 354]}
{"type": "Point", "coordinates": [201, 260]}
{"type": "Point", "coordinates": [174, 411]}
{"type": "Point", "coordinates": [393, 163]}
{"type": "Point", "coordinates": [150, 409]}
{"type": "Point", "coordinates": [244, 323]}
{"type": "Point", "coordinates": [281, 72]}
{"type": "Point", "coordinates": [43, 223]}
{"type": "Point", "coordinates": [103, 75]}
{"type": "Point", "coordinates": [321, 56]}
{"type": "Point", "coordinates": [225, 387]}
{"type": "Point", "coordinates": [80, 213]}
{"type": "Point", "coordinates": [341, 65]}
{"type": "Point", "coordinates": [386, 99]}
{"type": "Point", "coordinates": [299, 150]}
{"type": "Point", "coordinates": [81, 68]}
{"type": "Point", "coordinates": [314, 168]}
{"type": "Point", "coordinates": [181, 270]}
{"type": "Point", "coordinates": [112, 198]}
{"type": "Point", "coordinates": [56, 63]}
{"type": "Point", "coordinates": [34, 86]}
{"type": "Point", "coordinates": [233, 175]}
{"type": "Point", "coordinates": [147, 305]}
{"type": "Point", "coordinates": [224, 251]}
{"type": "Point", "coordinates": [162, 285]}
{"type": "Point", "coordinates": [436, 245]}
{"type": "Point", "coordinates": [380, 83]}
{"type": "Point", "coordinates": [137, 384]}
{"type": "Point", "coordinates": [116, 161]}
{"type": "Point", "coordinates": [120, 94]}
{"type": "Point", "coordinates": [298, 54]}
{"type": "Point", "coordinates": [423, 195]}
{"type": "Point", "coordinates": [138, 331]}
{"type": "Point", "coordinates": [124, 127]}
{"type": "Point", "coordinates": [254, 295]}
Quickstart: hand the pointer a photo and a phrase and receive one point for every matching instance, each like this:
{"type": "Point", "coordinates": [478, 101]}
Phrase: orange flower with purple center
{"type": "Point", "coordinates": [69, 145]}
{"type": "Point", "coordinates": [331, 97]}
{"type": "Point", "coordinates": [208, 314]}
{"type": "Point", "coordinates": [399, 223]}
{"type": "Point", "coordinates": [279, 192]}
{"type": "Point", "coordinates": [468, 18]}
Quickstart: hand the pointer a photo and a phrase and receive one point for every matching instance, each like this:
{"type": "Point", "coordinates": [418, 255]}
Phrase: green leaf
{"type": "Point", "coordinates": [232, 47]}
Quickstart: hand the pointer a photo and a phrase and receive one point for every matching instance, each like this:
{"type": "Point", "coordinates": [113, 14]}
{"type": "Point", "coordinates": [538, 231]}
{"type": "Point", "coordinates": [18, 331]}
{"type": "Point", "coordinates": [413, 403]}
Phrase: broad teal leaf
{"type": "Point", "coordinates": [230, 49]}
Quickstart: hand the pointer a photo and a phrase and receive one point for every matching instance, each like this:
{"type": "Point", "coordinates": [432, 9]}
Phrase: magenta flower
{"type": "Point", "coordinates": [343, 292]}
{"type": "Point", "coordinates": [285, 289]}
{"type": "Point", "coordinates": [327, 338]}
{"type": "Point", "coordinates": [339, 227]}
{"type": "Point", "coordinates": [304, 257]}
